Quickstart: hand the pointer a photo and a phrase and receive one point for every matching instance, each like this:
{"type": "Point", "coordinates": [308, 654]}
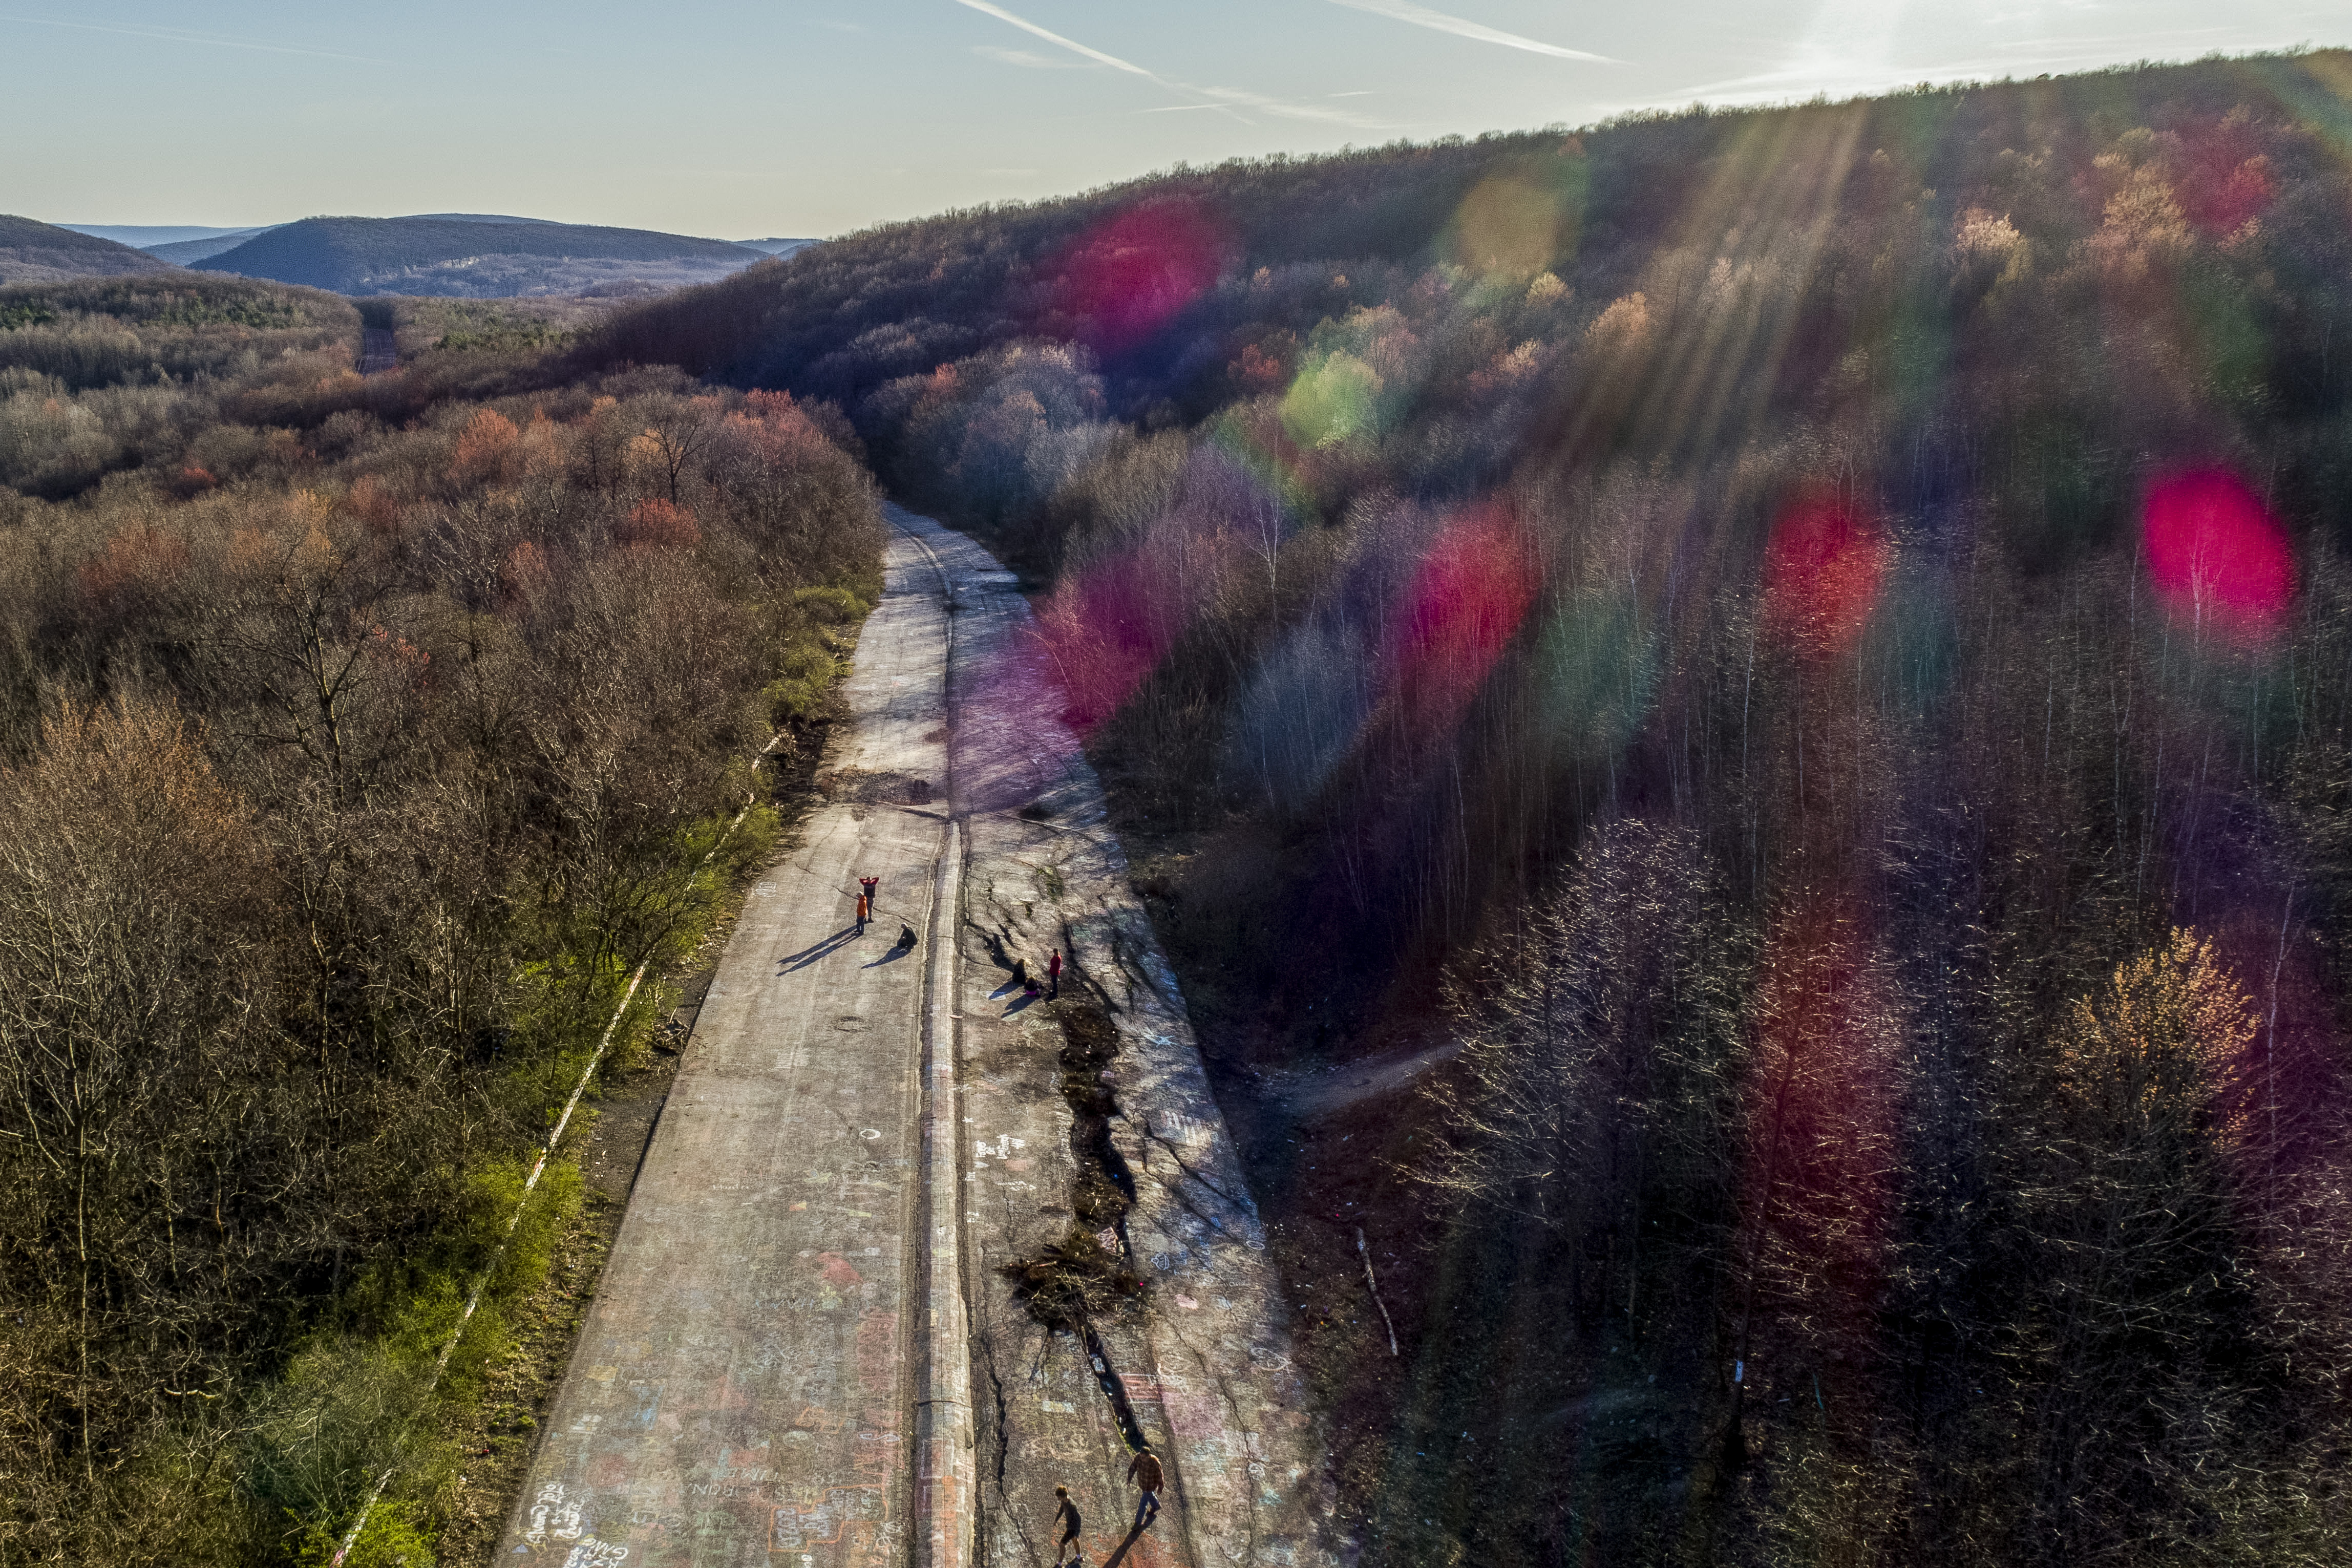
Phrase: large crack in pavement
{"type": "Point", "coordinates": [1089, 1272]}
{"type": "Point", "coordinates": [1196, 1362]}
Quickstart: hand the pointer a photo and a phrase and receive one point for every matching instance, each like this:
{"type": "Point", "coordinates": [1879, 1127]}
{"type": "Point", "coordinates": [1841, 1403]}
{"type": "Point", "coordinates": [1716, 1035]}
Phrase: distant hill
{"type": "Point", "coordinates": [188, 252]}
{"type": "Point", "coordinates": [475, 257]}
{"type": "Point", "coordinates": [477, 217]}
{"type": "Point", "coordinates": [34, 252]}
{"type": "Point", "coordinates": [148, 236]}
{"type": "Point", "coordinates": [777, 247]}
{"type": "Point", "coordinates": [189, 247]}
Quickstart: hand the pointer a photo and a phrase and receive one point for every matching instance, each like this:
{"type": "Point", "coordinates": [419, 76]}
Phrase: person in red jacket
{"type": "Point", "coordinates": [1145, 1472]}
{"type": "Point", "coordinates": [1054, 975]}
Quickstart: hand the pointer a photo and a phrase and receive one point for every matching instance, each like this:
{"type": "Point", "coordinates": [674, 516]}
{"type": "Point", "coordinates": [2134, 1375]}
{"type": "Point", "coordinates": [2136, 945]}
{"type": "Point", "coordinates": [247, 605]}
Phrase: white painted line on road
{"type": "Point", "coordinates": [945, 1469]}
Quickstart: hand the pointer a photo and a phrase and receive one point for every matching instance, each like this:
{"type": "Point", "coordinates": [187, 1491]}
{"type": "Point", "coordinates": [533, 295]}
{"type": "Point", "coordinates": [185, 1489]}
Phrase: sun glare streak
{"type": "Point", "coordinates": [1756, 229]}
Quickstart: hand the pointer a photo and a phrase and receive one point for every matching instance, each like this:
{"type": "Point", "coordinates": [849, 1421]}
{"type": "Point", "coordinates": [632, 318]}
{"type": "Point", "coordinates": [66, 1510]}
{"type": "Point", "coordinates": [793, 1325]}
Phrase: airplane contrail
{"type": "Point", "coordinates": [1422, 17]}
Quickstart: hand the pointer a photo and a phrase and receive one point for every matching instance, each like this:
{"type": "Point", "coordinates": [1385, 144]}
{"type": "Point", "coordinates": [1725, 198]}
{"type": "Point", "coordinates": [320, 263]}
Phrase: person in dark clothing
{"type": "Point", "coordinates": [1066, 1516]}
{"type": "Point", "coordinates": [1144, 1471]}
{"type": "Point", "coordinates": [871, 885]}
{"type": "Point", "coordinates": [1054, 975]}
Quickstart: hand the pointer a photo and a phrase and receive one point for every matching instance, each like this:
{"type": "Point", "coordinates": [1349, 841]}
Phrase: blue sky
{"type": "Point", "coordinates": [722, 117]}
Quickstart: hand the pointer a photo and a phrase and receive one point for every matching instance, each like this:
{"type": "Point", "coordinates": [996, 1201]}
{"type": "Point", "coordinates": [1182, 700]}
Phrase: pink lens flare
{"type": "Point", "coordinates": [1823, 567]}
{"type": "Point", "coordinates": [1104, 630]}
{"type": "Point", "coordinates": [1461, 608]}
{"type": "Point", "coordinates": [1821, 1094]}
{"type": "Point", "coordinates": [1123, 279]}
{"type": "Point", "coordinates": [2221, 178]}
{"type": "Point", "coordinates": [2217, 555]}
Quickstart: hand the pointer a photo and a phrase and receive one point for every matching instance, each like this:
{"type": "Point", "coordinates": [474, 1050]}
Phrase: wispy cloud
{"type": "Point", "coordinates": [1221, 100]}
{"type": "Point", "coordinates": [1076, 48]}
{"type": "Point", "coordinates": [179, 36]}
{"type": "Point", "coordinates": [1027, 60]}
{"type": "Point", "coordinates": [1231, 103]}
{"type": "Point", "coordinates": [1463, 27]}
{"type": "Point", "coordinates": [1280, 107]}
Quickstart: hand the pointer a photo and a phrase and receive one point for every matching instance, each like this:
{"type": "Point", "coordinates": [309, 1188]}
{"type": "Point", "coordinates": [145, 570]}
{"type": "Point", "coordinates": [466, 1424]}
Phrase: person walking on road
{"type": "Point", "coordinates": [1054, 975]}
{"type": "Point", "coordinates": [1066, 1516]}
{"type": "Point", "coordinates": [1144, 1471]}
{"type": "Point", "coordinates": [865, 908]}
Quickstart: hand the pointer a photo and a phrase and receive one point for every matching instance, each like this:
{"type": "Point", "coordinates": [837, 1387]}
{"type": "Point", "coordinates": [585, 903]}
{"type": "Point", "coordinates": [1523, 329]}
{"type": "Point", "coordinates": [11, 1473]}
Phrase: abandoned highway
{"type": "Point", "coordinates": [805, 1349]}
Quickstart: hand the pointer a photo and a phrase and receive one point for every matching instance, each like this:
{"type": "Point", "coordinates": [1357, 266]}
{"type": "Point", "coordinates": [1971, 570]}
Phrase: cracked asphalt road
{"type": "Point", "coordinates": [746, 1389]}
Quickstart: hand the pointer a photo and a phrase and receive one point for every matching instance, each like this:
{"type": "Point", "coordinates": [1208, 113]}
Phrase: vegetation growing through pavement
{"type": "Point", "coordinates": [357, 740]}
{"type": "Point", "coordinates": [1823, 628]}
{"type": "Point", "coordinates": [1073, 1282]}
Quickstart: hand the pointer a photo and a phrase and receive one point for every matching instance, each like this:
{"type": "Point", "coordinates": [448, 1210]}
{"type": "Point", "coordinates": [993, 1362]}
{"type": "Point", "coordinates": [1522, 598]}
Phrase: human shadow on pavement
{"type": "Point", "coordinates": [1022, 1002]}
{"type": "Point", "coordinates": [809, 955]}
{"type": "Point", "coordinates": [1128, 1546]}
{"type": "Point", "coordinates": [893, 956]}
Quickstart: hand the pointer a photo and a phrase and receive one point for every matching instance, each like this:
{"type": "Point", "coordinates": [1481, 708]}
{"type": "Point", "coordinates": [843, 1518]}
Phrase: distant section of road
{"type": "Point", "coordinates": [379, 351]}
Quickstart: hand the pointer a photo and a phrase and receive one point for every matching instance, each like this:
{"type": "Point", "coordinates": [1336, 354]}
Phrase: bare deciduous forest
{"type": "Point", "coordinates": [358, 740]}
{"type": "Point", "coordinates": [1737, 723]}
{"type": "Point", "coordinates": [1798, 658]}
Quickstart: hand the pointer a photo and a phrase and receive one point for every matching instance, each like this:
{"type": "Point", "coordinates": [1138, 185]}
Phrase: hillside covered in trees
{"type": "Point", "coordinates": [359, 739]}
{"type": "Point", "coordinates": [32, 252]}
{"type": "Point", "coordinates": [1795, 661]}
